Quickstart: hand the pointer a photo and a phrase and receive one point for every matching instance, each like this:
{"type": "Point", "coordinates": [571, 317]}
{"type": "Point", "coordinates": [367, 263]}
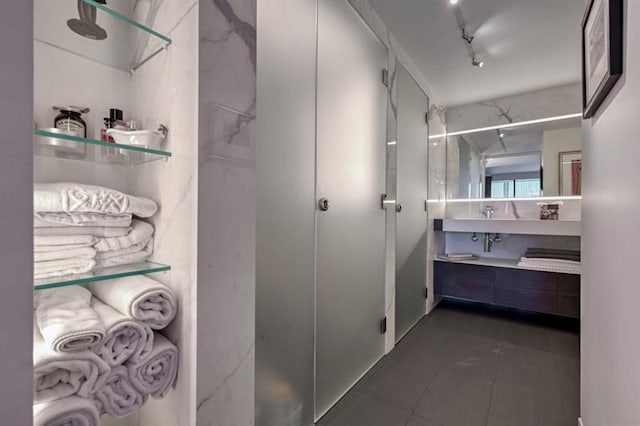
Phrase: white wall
{"type": "Point", "coordinates": [16, 224]}
{"type": "Point", "coordinates": [610, 311]}
{"type": "Point", "coordinates": [553, 143]}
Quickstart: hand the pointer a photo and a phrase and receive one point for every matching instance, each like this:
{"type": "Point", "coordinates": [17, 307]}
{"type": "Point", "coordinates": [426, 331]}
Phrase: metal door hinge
{"type": "Point", "coordinates": [383, 325]}
{"type": "Point", "coordinates": [426, 117]}
{"type": "Point", "coordinates": [385, 77]}
{"type": "Point", "coordinates": [426, 293]}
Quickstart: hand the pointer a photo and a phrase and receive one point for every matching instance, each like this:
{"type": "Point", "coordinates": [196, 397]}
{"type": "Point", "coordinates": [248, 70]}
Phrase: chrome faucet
{"type": "Point", "coordinates": [487, 211]}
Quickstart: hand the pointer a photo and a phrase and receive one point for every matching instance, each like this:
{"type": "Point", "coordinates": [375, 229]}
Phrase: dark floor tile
{"type": "Point", "coordinates": [456, 399]}
{"type": "Point", "coordinates": [528, 335]}
{"type": "Point", "coordinates": [524, 366]}
{"type": "Point", "coordinates": [474, 356]}
{"type": "Point", "coordinates": [357, 409]}
{"type": "Point", "coordinates": [401, 379]}
{"type": "Point", "coordinates": [419, 421]}
{"type": "Point", "coordinates": [425, 341]}
{"type": "Point", "coordinates": [525, 406]}
{"type": "Point", "coordinates": [565, 343]}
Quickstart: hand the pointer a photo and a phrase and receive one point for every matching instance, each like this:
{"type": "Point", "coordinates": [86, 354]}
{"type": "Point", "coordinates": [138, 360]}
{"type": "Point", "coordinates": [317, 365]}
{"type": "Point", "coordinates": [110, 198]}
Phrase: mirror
{"type": "Point", "coordinates": [519, 161]}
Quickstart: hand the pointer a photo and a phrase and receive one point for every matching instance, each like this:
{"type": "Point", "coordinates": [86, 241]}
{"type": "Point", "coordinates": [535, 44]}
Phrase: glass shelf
{"type": "Point", "coordinates": [101, 275]}
{"type": "Point", "coordinates": [68, 147]}
{"type": "Point", "coordinates": [128, 43]}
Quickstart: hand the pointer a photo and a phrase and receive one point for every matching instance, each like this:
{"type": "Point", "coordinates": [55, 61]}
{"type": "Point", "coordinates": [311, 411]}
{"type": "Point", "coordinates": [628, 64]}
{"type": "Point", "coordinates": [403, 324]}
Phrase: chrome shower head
{"type": "Point", "coordinates": [86, 26]}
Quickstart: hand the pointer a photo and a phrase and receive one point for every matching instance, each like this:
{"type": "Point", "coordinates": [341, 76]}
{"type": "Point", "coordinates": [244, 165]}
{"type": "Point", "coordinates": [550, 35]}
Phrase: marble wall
{"type": "Point", "coordinates": [226, 212]}
{"type": "Point", "coordinates": [550, 102]}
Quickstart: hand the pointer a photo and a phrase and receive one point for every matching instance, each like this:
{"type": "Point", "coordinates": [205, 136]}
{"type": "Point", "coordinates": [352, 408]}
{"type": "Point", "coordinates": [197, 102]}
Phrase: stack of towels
{"type": "Point", "coordinates": [97, 350]}
{"type": "Point", "coordinates": [78, 228]}
{"type": "Point", "coordinates": [555, 260]}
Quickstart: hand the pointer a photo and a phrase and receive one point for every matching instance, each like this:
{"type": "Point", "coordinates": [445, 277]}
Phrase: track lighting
{"type": "Point", "coordinates": [466, 37]}
{"type": "Point", "coordinates": [477, 63]}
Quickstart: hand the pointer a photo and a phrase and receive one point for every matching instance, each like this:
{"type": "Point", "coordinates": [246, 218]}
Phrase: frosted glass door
{"type": "Point", "coordinates": [411, 217]}
{"type": "Point", "coordinates": [351, 177]}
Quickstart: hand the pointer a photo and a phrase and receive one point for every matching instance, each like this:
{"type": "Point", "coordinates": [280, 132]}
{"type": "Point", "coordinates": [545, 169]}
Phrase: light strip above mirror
{"type": "Point", "coordinates": [508, 125]}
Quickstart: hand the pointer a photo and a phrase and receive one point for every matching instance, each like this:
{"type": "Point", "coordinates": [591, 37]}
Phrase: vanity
{"type": "Point", "coordinates": [501, 282]}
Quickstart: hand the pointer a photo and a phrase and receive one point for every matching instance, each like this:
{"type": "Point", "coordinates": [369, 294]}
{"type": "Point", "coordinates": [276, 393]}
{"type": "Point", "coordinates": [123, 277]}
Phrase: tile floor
{"type": "Point", "coordinates": [470, 365]}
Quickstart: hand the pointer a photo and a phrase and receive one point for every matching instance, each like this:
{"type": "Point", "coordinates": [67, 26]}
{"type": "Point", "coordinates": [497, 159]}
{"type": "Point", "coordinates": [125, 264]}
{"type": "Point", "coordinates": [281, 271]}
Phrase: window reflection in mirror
{"type": "Point", "coordinates": [523, 161]}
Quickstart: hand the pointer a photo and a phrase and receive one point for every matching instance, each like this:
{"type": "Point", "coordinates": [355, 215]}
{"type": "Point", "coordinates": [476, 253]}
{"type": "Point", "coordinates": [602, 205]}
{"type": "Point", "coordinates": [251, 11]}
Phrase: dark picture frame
{"type": "Point", "coordinates": [602, 52]}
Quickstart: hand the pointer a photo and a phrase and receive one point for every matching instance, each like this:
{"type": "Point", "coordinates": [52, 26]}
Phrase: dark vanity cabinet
{"type": "Point", "coordinates": [537, 291]}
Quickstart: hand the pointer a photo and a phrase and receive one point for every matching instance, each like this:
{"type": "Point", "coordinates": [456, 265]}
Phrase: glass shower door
{"type": "Point", "coordinates": [351, 128]}
{"type": "Point", "coordinates": [411, 216]}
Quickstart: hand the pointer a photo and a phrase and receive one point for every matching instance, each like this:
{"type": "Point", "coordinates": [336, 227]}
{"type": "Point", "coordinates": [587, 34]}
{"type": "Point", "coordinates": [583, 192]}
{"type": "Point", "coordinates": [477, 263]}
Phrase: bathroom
{"type": "Point", "coordinates": [335, 212]}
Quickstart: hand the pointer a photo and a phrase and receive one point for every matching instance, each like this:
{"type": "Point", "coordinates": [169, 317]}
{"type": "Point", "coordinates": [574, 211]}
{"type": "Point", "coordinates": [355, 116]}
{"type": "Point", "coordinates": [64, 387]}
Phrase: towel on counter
{"type": "Point", "coordinates": [58, 268]}
{"type": "Point", "coordinates": [125, 338]}
{"type": "Point", "coordinates": [74, 253]}
{"type": "Point", "coordinates": [140, 232]}
{"type": "Point", "coordinates": [66, 320]}
{"type": "Point", "coordinates": [134, 254]}
{"type": "Point", "coordinates": [59, 375]}
{"type": "Point", "coordinates": [64, 240]}
{"type": "Point", "coordinates": [553, 265]}
{"type": "Point", "coordinates": [59, 219]}
{"type": "Point", "coordinates": [139, 297]}
{"type": "Point", "coordinates": [117, 397]}
{"type": "Point", "coordinates": [94, 231]}
{"type": "Point", "coordinates": [72, 411]}
{"type": "Point", "coordinates": [75, 197]}
{"type": "Point", "coordinates": [155, 374]}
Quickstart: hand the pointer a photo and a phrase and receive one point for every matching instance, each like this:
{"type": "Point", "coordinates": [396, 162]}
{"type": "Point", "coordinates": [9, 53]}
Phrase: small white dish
{"type": "Point", "coordinates": [146, 138]}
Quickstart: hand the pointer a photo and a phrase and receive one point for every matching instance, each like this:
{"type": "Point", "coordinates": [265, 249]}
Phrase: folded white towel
{"type": "Point", "coordinates": [75, 197]}
{"type": "Point", "coordinates": [64, 240]}
{"type": "Point", "coordinates": [59, 268]}
{"type": "Point", "coordinates": [66, 320]}
{"type": "Point", "coordinates": [46, 249]}
{"type": "Point", "coordinates": [117, 397]}
{"type": "Point", "coordinates": [133, 254]}
{"type": "Point", "coordinates": [125, 337]}
{"type": "Point", "coordinates": [96, 231]}
{"type": "Point", "coordinates": [74, 253]}
{"type": "Point", "coordinates": [139, 297]}
{"type": "Point", "coordinates": [72, 411]}
{"type": "Point", "coordinates": [551, 265]}
{"type": "Point", "coordinates": [140, 232]}
{"type": "Point", "coordinates": [57, 219]}
{"type": "Point", "coordinates": [58, 374]}
{"type": "Point", "coordinates": [155, 373]}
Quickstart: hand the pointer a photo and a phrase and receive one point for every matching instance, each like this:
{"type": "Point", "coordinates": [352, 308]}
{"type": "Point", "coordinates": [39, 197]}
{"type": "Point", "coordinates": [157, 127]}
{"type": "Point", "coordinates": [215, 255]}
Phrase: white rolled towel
{"type": "Point", "coordinates": [117, 397]}
{"type": "Point", "coordinates": [66, 320]}
{"type": "Point", "coordinates": [139, 297]}
{"type": "Point", "coordinates": [155, 374]}
{"type": "Point", "coordinates": [62, 267]}
{"type": "Point", "coordinates": [47, 249]}
{"type": "Point", "coordinates": [58, 375]}
{"type": "Point", "coordinates": [72, 411]}
{"type": "Point", "coordinates": [140, 232]}
{"type": "Point", "coordinates": [81, 198]}
{"type": "Point", "coordinates": [79, 219]}
{"type": "Point", "coordinates": [70, 253]}
{"type": "Point", "coordinates": [126, 338]}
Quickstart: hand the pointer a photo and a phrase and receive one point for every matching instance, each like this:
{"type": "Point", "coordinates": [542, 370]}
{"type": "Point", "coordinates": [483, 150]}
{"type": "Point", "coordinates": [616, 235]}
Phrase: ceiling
{"type": "Point", "coordinates": [525, 44]}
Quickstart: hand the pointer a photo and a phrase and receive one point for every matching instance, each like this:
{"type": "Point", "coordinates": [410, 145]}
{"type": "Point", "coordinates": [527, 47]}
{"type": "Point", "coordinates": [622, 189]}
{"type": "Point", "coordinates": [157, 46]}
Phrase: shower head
{"type": "Point", "coordinates": [86, 26]}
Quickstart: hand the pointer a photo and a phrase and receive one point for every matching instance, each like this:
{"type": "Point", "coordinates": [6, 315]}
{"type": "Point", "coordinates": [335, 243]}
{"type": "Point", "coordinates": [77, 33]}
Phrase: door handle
{"type": "Point", "coordinates": [323, 204]}
{"type": "Point", "coordinates": [398, 207]}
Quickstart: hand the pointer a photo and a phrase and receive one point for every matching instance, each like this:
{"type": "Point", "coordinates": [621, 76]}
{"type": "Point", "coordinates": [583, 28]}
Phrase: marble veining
{"type": "Point", "coordinates": [226, 213]}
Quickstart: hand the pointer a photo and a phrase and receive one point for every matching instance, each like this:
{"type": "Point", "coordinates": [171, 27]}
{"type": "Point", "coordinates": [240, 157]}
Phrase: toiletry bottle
{"type": "Point", "coordinates": [70, 119]}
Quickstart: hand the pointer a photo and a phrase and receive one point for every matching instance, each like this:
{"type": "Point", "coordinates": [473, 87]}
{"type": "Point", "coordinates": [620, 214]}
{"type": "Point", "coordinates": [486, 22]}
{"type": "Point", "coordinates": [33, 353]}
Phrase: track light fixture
{"type": "Point", "coordinates": [466, 37]}
{"type": "Point", "coordinates": [477, 63]}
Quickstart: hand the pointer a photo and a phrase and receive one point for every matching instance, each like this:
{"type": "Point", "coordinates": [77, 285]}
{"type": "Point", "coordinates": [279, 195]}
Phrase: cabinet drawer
{"type": "Point", "coordinates": [464, 281]}
{"type": "Point", "coordinates": [569, 285]}
{"type": "Point", "coordinates": [569, 306]}
{"type": "Point", "coordinates": [526, 280]}
{"type": "Point", "coordinates": [524, 298]}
